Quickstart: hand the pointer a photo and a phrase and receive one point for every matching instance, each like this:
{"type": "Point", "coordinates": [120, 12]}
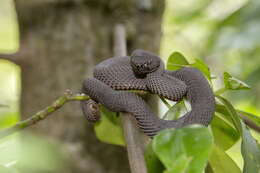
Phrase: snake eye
{"type": "Point", "coordinates": [149, 61]}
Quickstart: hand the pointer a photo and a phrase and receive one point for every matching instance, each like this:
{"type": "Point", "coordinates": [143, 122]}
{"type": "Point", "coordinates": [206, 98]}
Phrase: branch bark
{"type": "Point", "coordinates": [133, 137]}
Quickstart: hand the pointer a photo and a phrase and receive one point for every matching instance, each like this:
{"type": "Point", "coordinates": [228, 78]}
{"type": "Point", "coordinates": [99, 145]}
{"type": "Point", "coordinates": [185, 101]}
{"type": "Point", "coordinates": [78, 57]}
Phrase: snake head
{"type": "Point", "coordinates": [143, 62]}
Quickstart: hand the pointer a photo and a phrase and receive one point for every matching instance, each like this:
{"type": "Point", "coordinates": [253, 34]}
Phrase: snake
{"type": "Point", "coordinates": [143, 70]}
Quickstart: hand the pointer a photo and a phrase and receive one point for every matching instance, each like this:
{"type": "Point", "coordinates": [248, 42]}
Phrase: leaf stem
{"type": "Point", "coordinates": [179, 65]}
{"type": "Point", "coordinates": [165, 102]}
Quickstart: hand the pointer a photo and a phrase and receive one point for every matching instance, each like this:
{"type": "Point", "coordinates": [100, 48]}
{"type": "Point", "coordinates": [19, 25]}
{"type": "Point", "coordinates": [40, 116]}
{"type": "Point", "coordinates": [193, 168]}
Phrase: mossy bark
{"type": "Point", "coordinates": [61, 42]}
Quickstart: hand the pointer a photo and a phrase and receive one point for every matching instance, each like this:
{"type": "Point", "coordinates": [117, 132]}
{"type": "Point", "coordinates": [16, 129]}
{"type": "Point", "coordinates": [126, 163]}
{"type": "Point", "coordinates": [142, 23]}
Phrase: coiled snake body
{"type": "Point", "coordinates": [145, 71]}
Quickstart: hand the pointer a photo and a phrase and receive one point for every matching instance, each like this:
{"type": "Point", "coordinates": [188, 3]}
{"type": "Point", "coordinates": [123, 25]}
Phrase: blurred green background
{"type": "Point", "coordinates": [225, 33]}
{"type": "Point", "coordinates": [9, 35]}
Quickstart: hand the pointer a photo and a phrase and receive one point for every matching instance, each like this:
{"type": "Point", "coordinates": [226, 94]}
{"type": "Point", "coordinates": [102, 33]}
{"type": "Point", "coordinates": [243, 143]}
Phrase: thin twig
{"type": "Point", "coordinates": [250, 123]}
{"type": "Point", "coordinates": [178, 65]}
{"type": "Point", "coordinates": [41, 115]}
{"type": "Point", "coordinates": [165, 102]}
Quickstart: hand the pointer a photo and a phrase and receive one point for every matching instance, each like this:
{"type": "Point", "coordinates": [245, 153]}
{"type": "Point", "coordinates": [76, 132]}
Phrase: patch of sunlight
{"type": "Point", "coordinates": [256, 135]}
{"type": "Point", "coordinates": [187, 38]}
{"type": "Point", "coordinates": [171, 40]}
{"type": "Point", "coordinates": [163, 108]}
{"type": "Point", "coordinates": [220, 9]}
{"type": "Point", "coordinates": [247, 107]}
{"type": "Point", "coordinates": [9, 35]}
{"type": "Point", "coordinates": [235, 153]}
{"type": "Point", "coordinates": [9, 93]}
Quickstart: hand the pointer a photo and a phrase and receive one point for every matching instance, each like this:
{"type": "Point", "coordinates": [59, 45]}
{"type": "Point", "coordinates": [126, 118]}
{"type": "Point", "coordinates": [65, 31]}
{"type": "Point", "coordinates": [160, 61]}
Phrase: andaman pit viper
{"type": "Point", "coordinates": [145, 71]}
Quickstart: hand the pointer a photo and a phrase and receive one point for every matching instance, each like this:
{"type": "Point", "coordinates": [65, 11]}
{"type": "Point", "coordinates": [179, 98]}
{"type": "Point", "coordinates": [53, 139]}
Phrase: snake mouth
{"type": "Point", "coordinates": [141, 70]}
{"type": "Point", "coordinates": [143, 63]}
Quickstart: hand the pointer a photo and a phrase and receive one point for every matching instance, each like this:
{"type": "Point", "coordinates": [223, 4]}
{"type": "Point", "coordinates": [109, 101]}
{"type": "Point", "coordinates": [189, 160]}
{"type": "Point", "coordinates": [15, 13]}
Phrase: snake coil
{"type": "Point", "coordinates": [145, 71]}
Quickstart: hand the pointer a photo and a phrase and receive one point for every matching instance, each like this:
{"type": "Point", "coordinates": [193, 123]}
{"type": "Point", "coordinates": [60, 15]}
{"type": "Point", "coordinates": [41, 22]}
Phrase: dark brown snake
{"type": "Point", "coordinates": [145, 71]}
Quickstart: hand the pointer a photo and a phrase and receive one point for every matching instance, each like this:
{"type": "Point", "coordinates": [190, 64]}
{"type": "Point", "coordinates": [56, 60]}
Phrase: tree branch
{"type": "Point", "coordinates": [134, 139]}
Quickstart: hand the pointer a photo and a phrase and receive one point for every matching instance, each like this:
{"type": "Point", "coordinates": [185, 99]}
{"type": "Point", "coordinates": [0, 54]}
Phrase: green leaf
{"type": "Point", "coordinates": [202, 66]}
{"type": "Point", "coordinates": [233, 83]}
{"type": "Point", "coordinates": [153, 164]}
{"type": "Point", "coordinates": [175, 111]}
{"type": "Point", "coordinates": [109, 129]}
{"type": "Point", "coordinates": [232, 112]}
{"type": "Point", "coordinates": [176, 61]}
{"type": "Point", "coordinates": [249, 148]}
{"type": "Point", "coordinates": [183, 150]}
{"type": "Point", "coordinates": [225, 136]}
{"type": "Point", "coordinates": [250, 152]}
{"type": "Point", "coordinates": [220, 162]}
{"type": "Point", "coordinates": [224, 113]}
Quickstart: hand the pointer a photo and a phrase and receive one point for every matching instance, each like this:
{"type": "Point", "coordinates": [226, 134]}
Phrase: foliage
{"type": "Point", "coordinates": [181, 150]}
{"type": "Point", "coordinates": [228, 120]}
{"type": "Point", "coordinates": [233, 83]}
{"type": "Point", "coordinates": [109, 129]}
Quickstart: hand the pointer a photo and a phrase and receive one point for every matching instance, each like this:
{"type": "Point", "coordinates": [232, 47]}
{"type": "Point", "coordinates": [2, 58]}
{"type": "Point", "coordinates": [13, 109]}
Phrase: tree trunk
{"type": "Point", "coordinates": [61, 42]}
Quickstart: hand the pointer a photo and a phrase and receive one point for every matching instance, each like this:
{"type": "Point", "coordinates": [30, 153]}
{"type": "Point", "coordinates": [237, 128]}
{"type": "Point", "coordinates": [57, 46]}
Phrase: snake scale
{"type": "Point", "coordinates": [145, 71]}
